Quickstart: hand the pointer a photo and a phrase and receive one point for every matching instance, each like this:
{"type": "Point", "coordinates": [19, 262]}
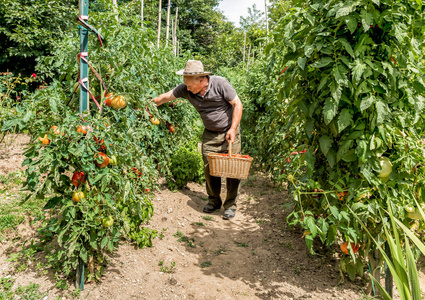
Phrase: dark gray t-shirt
{"type": "Point", "coordinates": [214, 107]}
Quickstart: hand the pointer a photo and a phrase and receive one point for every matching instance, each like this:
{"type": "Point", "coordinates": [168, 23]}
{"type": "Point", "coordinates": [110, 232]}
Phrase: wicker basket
{"type": "Point", "coordinates": [228, 166]}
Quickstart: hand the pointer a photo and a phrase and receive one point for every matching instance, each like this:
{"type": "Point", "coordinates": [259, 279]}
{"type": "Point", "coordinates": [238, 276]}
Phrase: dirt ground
{"type": "Point", "coordinates": [253, 256]}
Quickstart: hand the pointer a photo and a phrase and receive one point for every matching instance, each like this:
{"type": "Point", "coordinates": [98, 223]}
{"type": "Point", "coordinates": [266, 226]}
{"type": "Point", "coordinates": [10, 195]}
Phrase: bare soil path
{"type": "Point", "coordinates": [253, 256]}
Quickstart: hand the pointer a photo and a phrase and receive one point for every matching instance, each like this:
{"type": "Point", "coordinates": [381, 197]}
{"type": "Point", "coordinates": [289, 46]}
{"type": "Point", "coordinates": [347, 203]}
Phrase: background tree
{"type": "Point", "coordinates": [28, 29]}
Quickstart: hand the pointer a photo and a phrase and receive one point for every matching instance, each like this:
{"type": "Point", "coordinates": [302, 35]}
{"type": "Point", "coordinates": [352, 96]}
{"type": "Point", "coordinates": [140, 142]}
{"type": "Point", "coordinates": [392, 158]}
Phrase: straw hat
{"type": "Point", "coordinates": [193, 68]}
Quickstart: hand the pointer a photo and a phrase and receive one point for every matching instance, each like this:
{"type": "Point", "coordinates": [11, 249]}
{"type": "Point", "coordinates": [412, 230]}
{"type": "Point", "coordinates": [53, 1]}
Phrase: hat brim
{"type": "Point", "coordinates": [182, 73]}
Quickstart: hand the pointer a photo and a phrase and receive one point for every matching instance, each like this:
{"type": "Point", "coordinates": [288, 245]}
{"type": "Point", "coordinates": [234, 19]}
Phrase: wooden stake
{"type": "Point", "coordinates": [159, 23]}
{"type": "Point", "coordinates": [141, 13]}
{"type": "Point", "coordinates": [247, 61]}
{"type": "Point", "coordinates": [244, 45]}
{"type": "Point", "coordinates": [267, 17]}
{"type": "Point", "coordinates": [115, 5]}
{"type": "Point", "coordinates": [167, 34]}
{"type": "Point", "coordinates": [172, 32]}
{"type": "Point", "coordinates": [175, 32]}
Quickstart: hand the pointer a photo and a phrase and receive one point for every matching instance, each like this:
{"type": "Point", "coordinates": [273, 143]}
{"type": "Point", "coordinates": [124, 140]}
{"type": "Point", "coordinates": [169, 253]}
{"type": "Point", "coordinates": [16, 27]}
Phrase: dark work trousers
{"type": "Point", "coordinates": [215, 142]}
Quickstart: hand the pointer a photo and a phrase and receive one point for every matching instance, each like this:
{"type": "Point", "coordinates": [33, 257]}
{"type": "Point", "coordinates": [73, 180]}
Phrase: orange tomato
{"type": "Point", "coordinates": [155, 121]}
{"type": "Point", "coordinates": [353, 246]}
{"type": "Point", "coordinates": [171, 128]}
{"type": "Point", "coordinates": [78, 196]}
{"type": "Point", "coordinates": [104, 157]}
{"type": "Point", "coordinates": [44, 140]}
{"type": "Point", "coordinates": [118, 102]}
{"type": "Point", "coordinates": [102, 146]}
{"type": "Point", "coordinates": [342, 195]}
{"type": "Point", "coordinates": [82, 129]}
{"type": "Point", "coordinates": [108, 100]}
{"type": "Point", "coordinates": [55, 129]}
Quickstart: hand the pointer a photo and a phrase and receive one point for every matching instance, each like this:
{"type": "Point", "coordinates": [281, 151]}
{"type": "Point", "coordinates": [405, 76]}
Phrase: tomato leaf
{"type": "Point", "coordinates": [330, 110]}
{"type": "Point", "coordinates": [367, 102]}
{"type": "Point", "coordinates": [347, 46]}
{"type": "Point", "coordinates": [382, 111]}
{"type": "Point", "coordinates": [110, 246]}
{"type": "Point", "coordinates": [358, 70]}
{"type": "Point", "coordinates": [83, 254]}
{"type": "Point", "coordinates": [301, 62]}
{"type": "Point", "coordinates": [322, 62]}
{"type": "Point", "coordinates": [331, 235]}
{"type": "Point", "coordinates": [345, 119]}
{"type": "Point", "coordinates": [351, 271]}
{"type": "Point", "coordinates": [351, 23]}
{"type": "Point", "coordinates": [93, 241]}
{"type": "Point", "coordinates": [103, 242]}
{"type": "Point", "coordinates": [311, 224]}
{"type": "Point", "coordinates": [325, 144]}
{"type": "Point", "coordinates": [52, 202]}
{"type": "Point", "coordinates": [366, 19]}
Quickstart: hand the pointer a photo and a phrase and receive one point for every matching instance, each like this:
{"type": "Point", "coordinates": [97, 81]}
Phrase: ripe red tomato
{"type": "Point", "coordinates": [136, 171]}
{"type": "Point", "coordinates": [78, 178]}
{"type": "Point", "coordinates": [104, 157]}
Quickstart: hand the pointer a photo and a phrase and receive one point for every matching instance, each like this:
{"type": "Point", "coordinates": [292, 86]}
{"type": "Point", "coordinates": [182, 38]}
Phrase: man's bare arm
{"type": "Point", "coordinates": [236, 118]}
{"type": "Point", "coordinates": [164, 98]}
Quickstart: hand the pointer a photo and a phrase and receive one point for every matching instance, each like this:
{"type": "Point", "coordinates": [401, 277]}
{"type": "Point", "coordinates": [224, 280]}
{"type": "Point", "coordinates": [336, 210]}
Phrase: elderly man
{"type": "Point", "coordinates": [221, 110]}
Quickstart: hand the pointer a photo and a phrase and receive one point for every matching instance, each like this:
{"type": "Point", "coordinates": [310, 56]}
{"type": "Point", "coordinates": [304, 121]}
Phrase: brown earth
{"type": "Point", "coordinates": [253, 256]}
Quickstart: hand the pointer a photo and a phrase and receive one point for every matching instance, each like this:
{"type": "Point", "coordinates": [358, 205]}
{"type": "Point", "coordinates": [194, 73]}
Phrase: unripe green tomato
{"type": "Point", "coordinates": [409, 208]}
{"type": "Point", "coordinates": [386, 167]}
{"type": "Point", "coordinates": [108, 221]}
{"type": "Point", "coordinates": [416, 215]}
{"type": "Point", "coordinates": [113, 160]}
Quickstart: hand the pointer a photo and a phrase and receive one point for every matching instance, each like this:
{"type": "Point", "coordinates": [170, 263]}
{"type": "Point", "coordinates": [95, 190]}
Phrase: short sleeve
{"type": "Point", "coordinates": [180, 91]}
{"type": "Point", "coordinates": [229, 92]}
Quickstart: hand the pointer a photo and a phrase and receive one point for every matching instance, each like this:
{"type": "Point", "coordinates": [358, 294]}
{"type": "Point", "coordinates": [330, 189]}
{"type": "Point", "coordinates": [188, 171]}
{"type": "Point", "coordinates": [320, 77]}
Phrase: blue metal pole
{"type": "Point", "coordinates": [84, 70]}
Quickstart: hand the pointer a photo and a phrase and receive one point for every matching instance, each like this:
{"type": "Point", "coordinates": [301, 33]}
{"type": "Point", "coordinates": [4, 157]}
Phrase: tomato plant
{"type": "Point", "coordinates": [352, 96]}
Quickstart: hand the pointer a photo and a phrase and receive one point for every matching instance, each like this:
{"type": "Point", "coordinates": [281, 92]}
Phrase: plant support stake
{"type": "Point", "coordinates": [84, 69]}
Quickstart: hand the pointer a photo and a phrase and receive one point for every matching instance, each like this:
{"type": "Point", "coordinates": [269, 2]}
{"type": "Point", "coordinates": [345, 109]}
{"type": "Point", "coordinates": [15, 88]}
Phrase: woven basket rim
{"type": "Point", "coordinates": [217, 155]}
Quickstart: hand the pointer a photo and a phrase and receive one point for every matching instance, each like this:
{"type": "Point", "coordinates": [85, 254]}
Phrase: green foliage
{"type": "Point", "coordinates": [30, 291]}
{"type": "Point", "coordinates": [166, 269]}
{"type": "Point", "coordinates": [29, 28]}
{"type": "Point", "coordinates": [342, 85]}
{"type": "Point", "coordinates": [12, 89]}
{"type": "Point", "coordinates": [401, 264]}
{"type": "Point", "coordinates": [186, 166]}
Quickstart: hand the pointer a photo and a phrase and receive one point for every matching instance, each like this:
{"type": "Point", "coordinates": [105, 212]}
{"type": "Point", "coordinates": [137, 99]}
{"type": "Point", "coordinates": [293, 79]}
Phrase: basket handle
{"type": "Point", "coordinates": [230, 148]}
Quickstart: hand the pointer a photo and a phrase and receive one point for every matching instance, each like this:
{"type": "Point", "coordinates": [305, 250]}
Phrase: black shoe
{"type": "Point", "coordinates": [209, 208]}
{"type": "Point", "coordinates": [229, 213]}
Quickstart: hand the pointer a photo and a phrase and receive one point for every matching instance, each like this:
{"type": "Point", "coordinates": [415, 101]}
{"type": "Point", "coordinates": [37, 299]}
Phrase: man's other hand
{"type": "Point", "coordinates": [230, 136]}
